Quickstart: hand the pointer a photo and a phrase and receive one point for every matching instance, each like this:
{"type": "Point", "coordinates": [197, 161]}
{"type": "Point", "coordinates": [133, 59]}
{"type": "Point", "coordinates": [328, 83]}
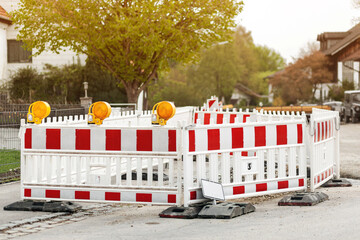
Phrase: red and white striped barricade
{"type": "Point", "coordinates": [279, 164]}
{"type": "Point", "coordinates": [213, 104]}
{"type": "Point", "coordinates": [100, 163]}
{"type": "Point", "coordinates": [324, 146]}
{"type": "Point", "coordinates": [221, 117]}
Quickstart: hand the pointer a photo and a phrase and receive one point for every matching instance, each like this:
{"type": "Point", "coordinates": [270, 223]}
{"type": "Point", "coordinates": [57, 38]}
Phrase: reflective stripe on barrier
{"type": "Point", "coordinates": [204, 118]}
{"type": "Point", "coordinates": [254, 189]}
{"type": "Point", "coordinates": [101, 139]}
{"type": "Point", "coordinates": [326, 175]}
{"type": "Point", "coordinates": [100, 195]}
{"type": "Point", "coordinates": [324, 130]}
{"type": "Point", "coordinates": [208, 139]}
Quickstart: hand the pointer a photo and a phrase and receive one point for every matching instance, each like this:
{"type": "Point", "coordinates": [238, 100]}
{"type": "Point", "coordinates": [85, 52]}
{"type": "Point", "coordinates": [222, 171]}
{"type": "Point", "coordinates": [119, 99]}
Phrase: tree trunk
{"type": "Point", "coordinates": [132, 90]}
{"type": "Point", "coordinates": [132, 95]}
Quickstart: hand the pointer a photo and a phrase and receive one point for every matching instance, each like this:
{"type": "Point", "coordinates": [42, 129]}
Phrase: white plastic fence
{"type": "Point", "coordinates": [324, 146]}
{"type": "Point", "coordinates": [125, 118]}
{"type": "Point", "coordinates": [100, 163]}
{"type": "Point", "coordinates": [128, 160]}
{"type": "Point", "coordinates": [214, 152]}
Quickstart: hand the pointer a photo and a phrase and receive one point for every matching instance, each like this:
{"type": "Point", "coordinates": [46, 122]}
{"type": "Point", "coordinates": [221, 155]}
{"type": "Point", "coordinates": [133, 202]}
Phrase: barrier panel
{"type": "Point", "coordinates": [100, 163]}
{"type": "Point", "coordinates": [214, 152]}
{"type": "Point", "coordinates": [324, 147]}
{"type": "Point", "coordinates": [223, 117]}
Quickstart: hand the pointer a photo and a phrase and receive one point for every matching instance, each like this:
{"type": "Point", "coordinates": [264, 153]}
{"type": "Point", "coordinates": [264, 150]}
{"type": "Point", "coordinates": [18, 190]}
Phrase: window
{"type": "Point", "coordinates": [356, 97]}
{"type": "Point", "coordinates": [16, 53]}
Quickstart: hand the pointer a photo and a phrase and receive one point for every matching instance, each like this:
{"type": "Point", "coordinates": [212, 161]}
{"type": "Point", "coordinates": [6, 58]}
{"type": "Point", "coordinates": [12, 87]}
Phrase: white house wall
{"type": "Point", "coordinates": [38, 62]}
{"type": "Point", "coordinates": [3, 55]}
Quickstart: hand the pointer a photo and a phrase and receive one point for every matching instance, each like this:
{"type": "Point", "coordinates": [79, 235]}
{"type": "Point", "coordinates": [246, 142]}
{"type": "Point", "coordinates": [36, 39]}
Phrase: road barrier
{"type": "Point", "coordinates": [214, 152]}
{"type": "Point", "coordinates": [127, 160]}
{"type": "Point", "coordinates": [100, 163]}
{"type": "Point", "coordinates": [324, 147]}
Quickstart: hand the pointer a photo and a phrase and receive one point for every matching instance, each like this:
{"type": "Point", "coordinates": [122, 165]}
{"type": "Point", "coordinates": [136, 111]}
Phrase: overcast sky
{"type": "Point", "coordinates": [287, 25]}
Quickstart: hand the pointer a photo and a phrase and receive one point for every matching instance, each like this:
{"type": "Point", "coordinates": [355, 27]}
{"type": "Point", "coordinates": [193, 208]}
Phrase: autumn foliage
{"type": "Point", "coordinates": [299, 81]}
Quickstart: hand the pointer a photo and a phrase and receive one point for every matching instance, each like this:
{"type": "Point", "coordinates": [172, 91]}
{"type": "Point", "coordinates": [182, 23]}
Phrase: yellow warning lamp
{"type": "Point", "coordinates": [162, 112]}
{"type": "Point", "coordinates": [98, 112]}
{"type": "Point", "coordinates": [38, 111]}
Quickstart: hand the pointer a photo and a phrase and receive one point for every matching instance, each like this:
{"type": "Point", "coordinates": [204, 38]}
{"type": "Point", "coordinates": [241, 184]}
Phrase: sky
{"type": "Point", "coordinates": [286, 26]}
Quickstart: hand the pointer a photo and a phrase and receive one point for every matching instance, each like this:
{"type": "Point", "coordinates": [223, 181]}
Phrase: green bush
{"type": "Point", "coordinates": [336, 92]}
{"type": "Point", "coordinates": [64, 84]}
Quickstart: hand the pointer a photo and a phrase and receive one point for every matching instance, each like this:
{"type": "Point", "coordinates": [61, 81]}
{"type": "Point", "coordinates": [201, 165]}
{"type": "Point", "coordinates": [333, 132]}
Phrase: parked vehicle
{"type": "Point", "coordinates": [336, 106]}
{"type": "Point", "coordinates": [352, 106]}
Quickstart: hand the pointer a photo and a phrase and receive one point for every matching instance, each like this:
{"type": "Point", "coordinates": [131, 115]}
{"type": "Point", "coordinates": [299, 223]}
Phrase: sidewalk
{"type": "Point", "coordinates": [10, 193]}
{"type": "Point", "coordinates": [350, 151]}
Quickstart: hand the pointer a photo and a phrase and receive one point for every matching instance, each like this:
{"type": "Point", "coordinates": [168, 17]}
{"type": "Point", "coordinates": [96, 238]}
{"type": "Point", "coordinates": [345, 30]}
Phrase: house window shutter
{"type": "Point", "coordinates": [17, 54]}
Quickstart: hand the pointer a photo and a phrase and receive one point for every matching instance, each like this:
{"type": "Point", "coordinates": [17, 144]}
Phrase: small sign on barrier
{"type": "Point", "coordinates": [212, 190]}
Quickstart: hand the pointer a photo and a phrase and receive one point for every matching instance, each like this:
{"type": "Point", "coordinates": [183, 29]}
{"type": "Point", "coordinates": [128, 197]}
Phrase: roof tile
{"type": "Point", "coordinates": [3, 13]}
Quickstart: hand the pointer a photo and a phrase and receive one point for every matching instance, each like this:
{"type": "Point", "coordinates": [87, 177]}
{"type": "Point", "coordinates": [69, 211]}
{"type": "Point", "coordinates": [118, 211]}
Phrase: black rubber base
{"type": "Point", "coordinates": [41, 206]}
{"type": "Point", "coordinates": [207, 210]}
{"type": "Point", "coordinates": [226, 210]}
{"type": "Point", "coordinates": [337, 183]}
{"type": "Point", "coordinates": [303, 199]}
{"type": "Point", "coordinates": [181, 212]}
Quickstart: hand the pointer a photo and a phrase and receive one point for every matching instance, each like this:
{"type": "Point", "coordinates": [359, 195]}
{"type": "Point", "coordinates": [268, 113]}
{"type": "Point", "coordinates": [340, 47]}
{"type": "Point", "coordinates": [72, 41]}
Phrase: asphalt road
{"type": "Point", "coordinates": [350, 150]}
{"type": "Point", "coordinates": [336, 218]}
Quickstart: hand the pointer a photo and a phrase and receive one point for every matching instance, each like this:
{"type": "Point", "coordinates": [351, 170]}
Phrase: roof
{"type": "Point", "coordinates": [4, 16]}
{"type": "Point", "coordinates": [275, 74]}
{"type": "Point", "coordinates": [332, 35]}
{"type": "Point", "coordinates": [247, 90]}
{"type": "Point", "coordinates": [352, 35]}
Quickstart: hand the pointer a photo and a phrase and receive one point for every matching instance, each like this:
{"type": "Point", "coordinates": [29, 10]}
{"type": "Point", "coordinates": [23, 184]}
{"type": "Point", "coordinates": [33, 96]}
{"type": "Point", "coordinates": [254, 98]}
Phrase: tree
{"type": "Point", "coordinates": [269, 60]}
{"type": "Point", "coordinates": [63, 84]}
{"type": "Point", "coordinates": [300, 80]}
{"type": "Point", "coordinates": [246, 55]}
{"type": "Point", "coordinates": [221, 67]}
{"type": "Point", "coordinates": [131, 39]}
{"type": "Point", "coordinates": [218, 72]}
{"type": "Point", "coordinates": [23, 84]}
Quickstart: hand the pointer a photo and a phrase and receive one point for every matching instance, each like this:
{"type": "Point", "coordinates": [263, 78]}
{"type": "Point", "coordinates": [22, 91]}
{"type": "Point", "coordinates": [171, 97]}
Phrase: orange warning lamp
{"type": "Point", "coordinates": [162, 112]}
{"type": "Point", "coordinates": [38, 111]}
{"type": "Point", "coordinates": [98, 112]}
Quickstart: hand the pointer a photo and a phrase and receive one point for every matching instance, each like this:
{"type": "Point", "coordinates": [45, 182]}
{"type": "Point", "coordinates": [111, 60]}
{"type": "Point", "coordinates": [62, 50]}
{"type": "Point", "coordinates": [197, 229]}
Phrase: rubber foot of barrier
{"type": "Point", "coordinates": [303, 199]}
{"type": "Point", "coordinates": [226, 210]}
{"type": "Point", "coordinates": [181, 212]}
{"type": "Point", "coordinates": [41, 206]}
{"type": "Point", "coordinates": [337, 183]}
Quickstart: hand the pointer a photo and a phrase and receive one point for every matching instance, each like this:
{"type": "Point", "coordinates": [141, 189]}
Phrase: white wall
{"type": "Point", "coordinates": [3, 53]}
{"type": "Point", "coordinates": [38, 62]}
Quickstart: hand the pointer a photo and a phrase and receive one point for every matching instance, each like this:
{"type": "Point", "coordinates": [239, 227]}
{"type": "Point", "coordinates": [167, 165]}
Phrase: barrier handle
{"type": "Point", "coordinates": [337, 123]}
{"type": "Point", "coordinates": [311, 128]}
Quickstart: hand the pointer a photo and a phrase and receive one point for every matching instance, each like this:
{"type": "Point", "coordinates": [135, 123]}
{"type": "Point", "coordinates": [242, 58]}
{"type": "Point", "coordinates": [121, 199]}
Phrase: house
{"type": "Point", "coordinates": [244, 94]}
{"type": "Point", "coordinates": [13, 56]}
{"type": "Point", "coordinates": [321, 93]}
{"type": "Point", "coordinates": [344, 50]}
